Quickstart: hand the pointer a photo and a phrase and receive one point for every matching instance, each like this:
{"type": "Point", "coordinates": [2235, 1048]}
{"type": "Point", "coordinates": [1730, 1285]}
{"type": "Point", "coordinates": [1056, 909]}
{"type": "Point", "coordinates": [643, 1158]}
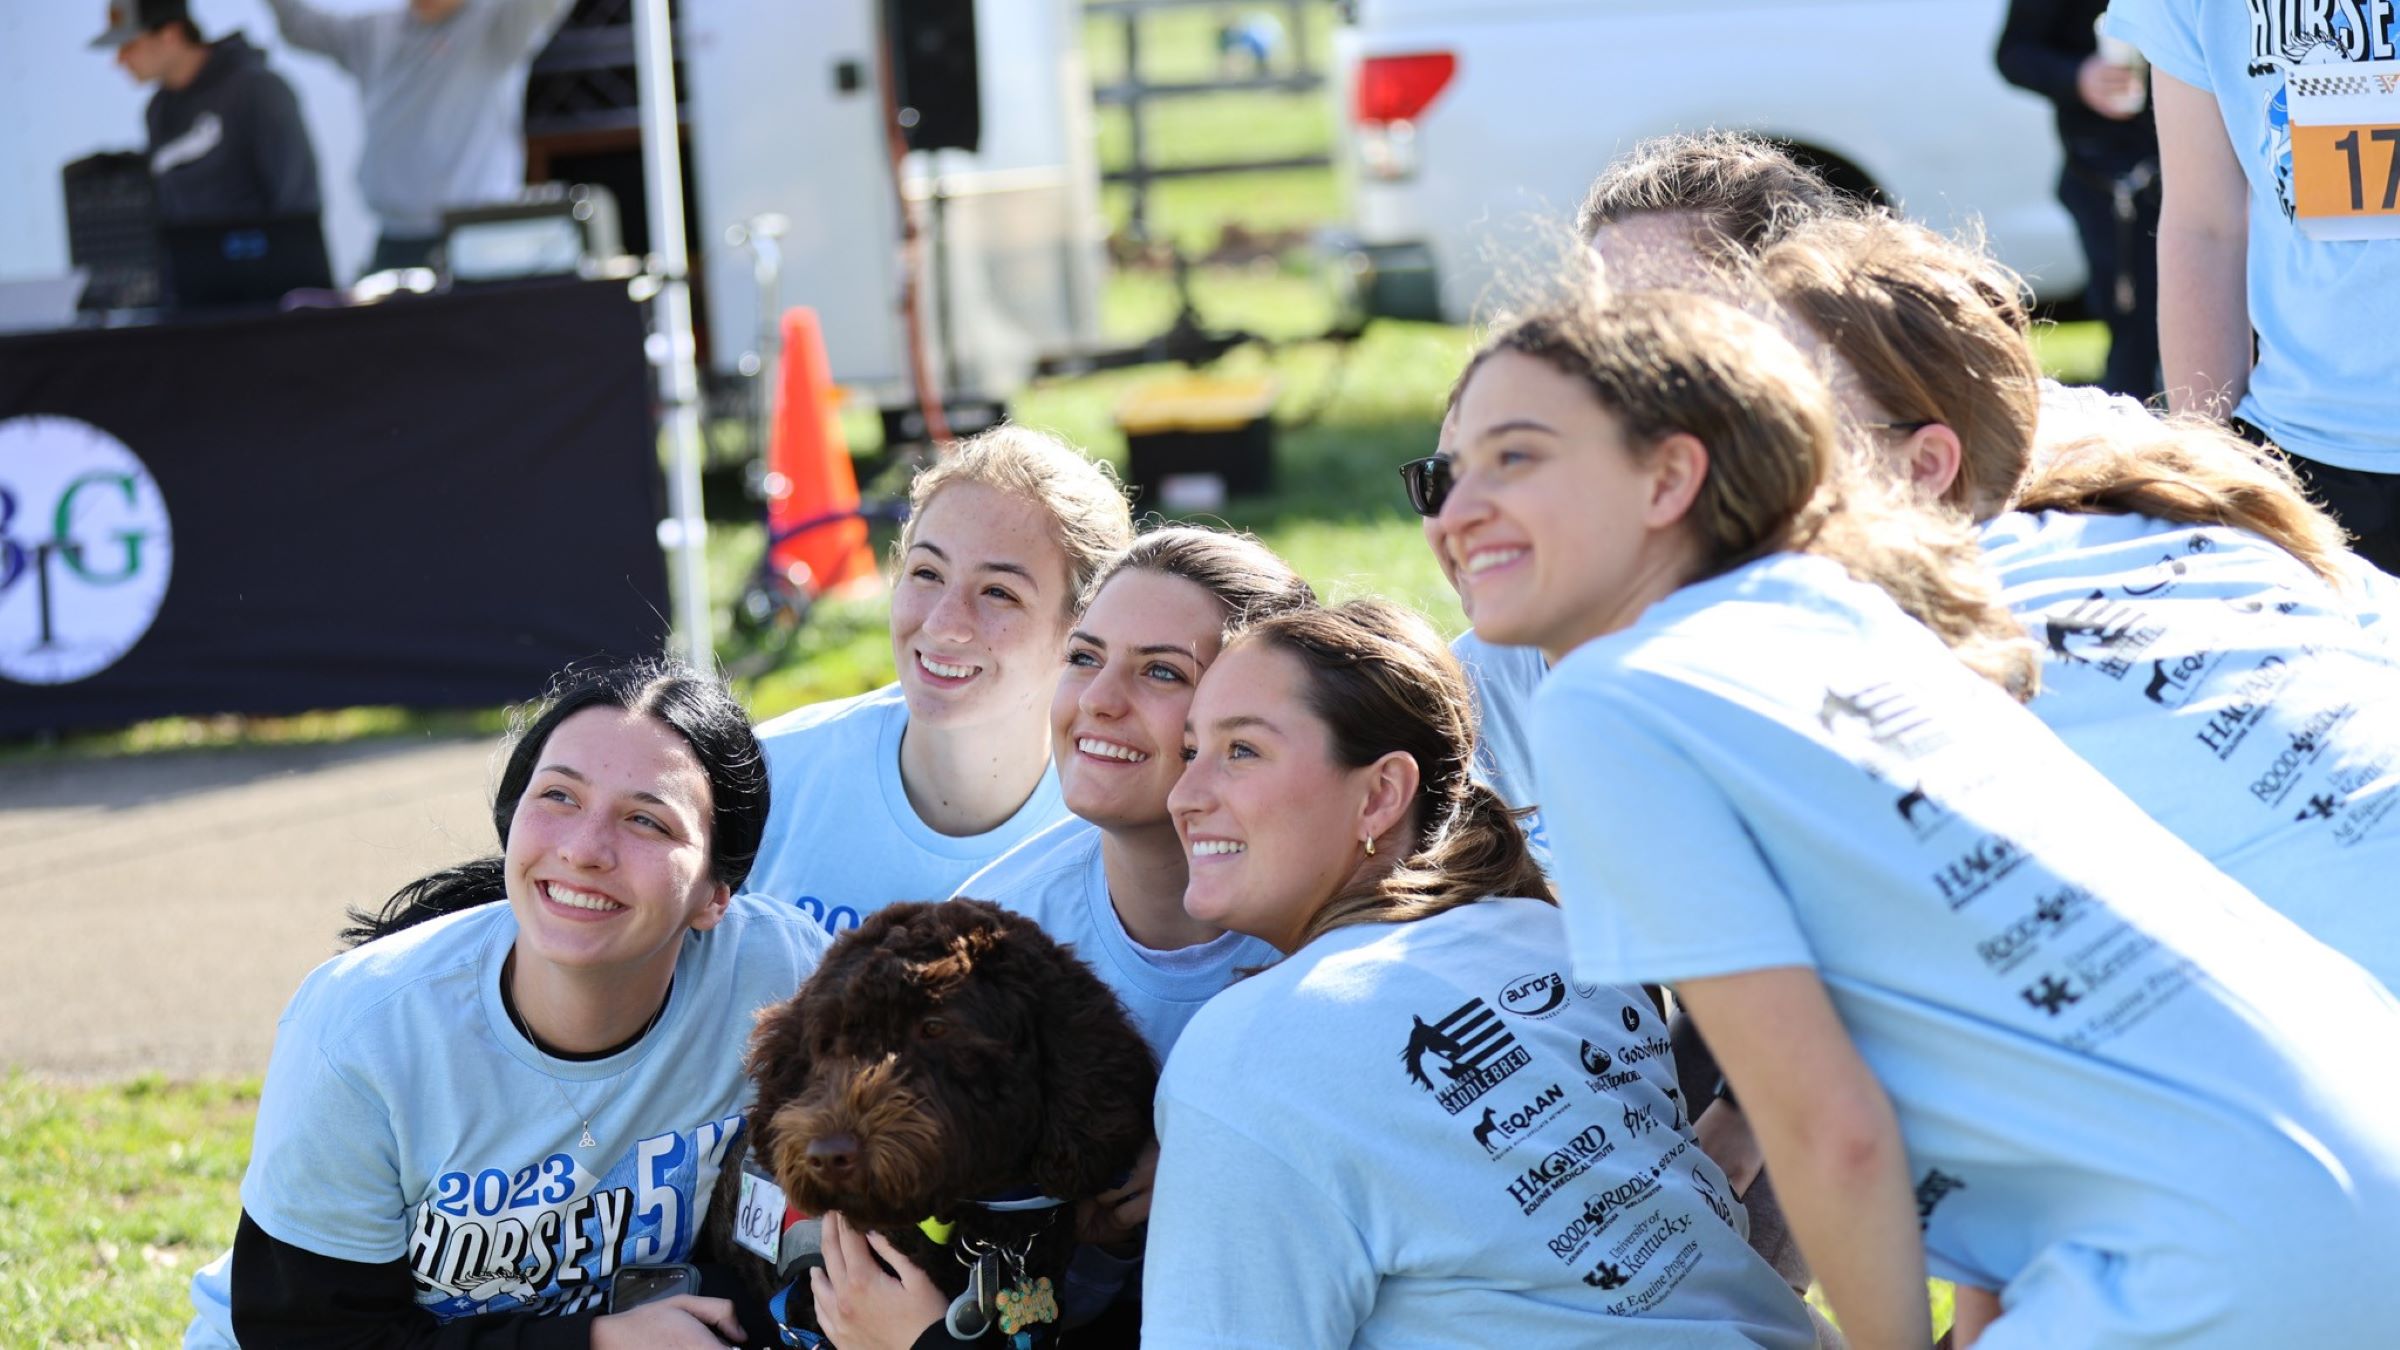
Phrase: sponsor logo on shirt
{"type": "Point", "coordinates": [2173, 682]}
{"type": "Point", "coordinates": [2107, 635]}
{"type": "Point", "coordinates": [1533, 1188]}
{"type": "Point", "coordinates": [1475, 1054]}
{"type": "Point", "coordinates": [1500, 1133]}
{"type": "Point", "coordinates": [1649, 1047]}
{"type": "Point", "coordinates": [1536, 996]}
{"type": "Point", "coordinates": [1921, 812]}
{"type": "Point", "coordinates": [1600, 1071]}
{"type": "Point", "coordinates": [1966, 877]}
{"type": "Point", "coordinates": [1716, 1203]}
{"type": "Point", "coordinates": [1932, 1191]}
{"type": "Point", "coordinates": [2283, 773]}
{"type": "Point", "coordinates": [2054, 912]}
{"type": "Point", "coordinates": [1599, 1211]}
{"type": "Point", "coordinates": [1639, 1122]}
{"type": "Point", "coordinates": [2051, 994]}
{"type": "Point", "coordinates": [1882, 718]}
{"type": "Point", "coordinates": [1656, 1291]}
{"type": "Point", "coordinates": [2231, 722]}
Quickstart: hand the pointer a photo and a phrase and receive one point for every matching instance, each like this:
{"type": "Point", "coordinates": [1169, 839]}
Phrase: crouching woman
{"type": "Point", "coordinates": [473, 1126]}
{"type": "Point", "coordinates": [1416, 1128]}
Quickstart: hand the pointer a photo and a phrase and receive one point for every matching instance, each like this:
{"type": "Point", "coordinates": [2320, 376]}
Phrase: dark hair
{"type": "Point", "coordinates": [1667, 363]}
{"type": "Point", "coordinates": [1746, 191]}
{"type": "Point", "coordinates": [1381, 680]}
{"type": "Point", "coordinates": [1243, 574]}
{"type": "Point", "coordinates": [697, 707]}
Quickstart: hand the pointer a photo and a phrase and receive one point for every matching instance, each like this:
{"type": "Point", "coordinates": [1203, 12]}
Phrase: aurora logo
{"type": "Point", "coordinates": [85, 550]}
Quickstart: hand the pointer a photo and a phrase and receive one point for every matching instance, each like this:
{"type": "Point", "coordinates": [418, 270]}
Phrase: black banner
{"type": "Point", "coordinates": [432, 502]}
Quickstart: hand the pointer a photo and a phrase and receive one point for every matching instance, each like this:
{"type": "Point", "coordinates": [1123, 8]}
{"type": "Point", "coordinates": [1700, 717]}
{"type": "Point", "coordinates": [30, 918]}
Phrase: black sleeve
{"type": "Point", "coordinates": [287, 1296]}
{"type": "Point", "coordinates": [280, 152]}
{"type": "Point", "coordinates": [2030, 57]}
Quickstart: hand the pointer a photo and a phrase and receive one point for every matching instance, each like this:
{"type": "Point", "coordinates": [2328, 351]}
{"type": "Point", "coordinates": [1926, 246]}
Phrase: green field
{"type": "Point", "coordinates": [115, 1194]}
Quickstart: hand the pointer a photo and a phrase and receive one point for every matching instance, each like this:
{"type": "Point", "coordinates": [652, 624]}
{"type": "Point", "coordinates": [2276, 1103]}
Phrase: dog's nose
{"type": "Point", "coordinates": [833, 1152]}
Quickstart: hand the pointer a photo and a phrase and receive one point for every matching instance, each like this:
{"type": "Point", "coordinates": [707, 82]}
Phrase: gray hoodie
{"type": "Point", "coordinates": [230, 145]}
{"type": "Point", "coordinates": [444, 102]}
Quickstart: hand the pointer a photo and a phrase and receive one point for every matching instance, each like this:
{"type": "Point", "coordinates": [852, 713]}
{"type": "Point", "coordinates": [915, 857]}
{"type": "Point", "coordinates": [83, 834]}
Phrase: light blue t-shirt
{"type": "Point", "coordinates": [404, 1116]}
{"type": "Point", "coordinates": [842, 838]}
{"type": "Point", "coordinates": [2235, 696]}
{"type": "Point", "coordinates": [1504, 679]}
{"type": "Point", "coordinates": [1057, 880]}
{"type": "Point", "coordinates": [2136, 1098]}
{"type": "Point", "coordinates": [1425, 1134]}
{"type": "Point", "coordinates": [2327, 383]}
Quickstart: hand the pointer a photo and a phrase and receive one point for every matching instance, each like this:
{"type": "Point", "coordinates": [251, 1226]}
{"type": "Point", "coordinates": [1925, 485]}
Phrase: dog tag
{"type": "Point", "coordinates": [970, 1313]}
{"type": "Point", "coordinates": [1027, 1305]}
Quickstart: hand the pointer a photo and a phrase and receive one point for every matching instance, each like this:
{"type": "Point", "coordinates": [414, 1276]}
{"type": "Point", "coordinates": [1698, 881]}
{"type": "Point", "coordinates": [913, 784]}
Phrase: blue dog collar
{"type": "Point", "coordinates": [780, 1307]}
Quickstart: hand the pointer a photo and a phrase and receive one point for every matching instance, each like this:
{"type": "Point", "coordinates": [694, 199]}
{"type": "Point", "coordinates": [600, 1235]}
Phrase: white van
{"type": "Point", "coordinates": [1464, 117]}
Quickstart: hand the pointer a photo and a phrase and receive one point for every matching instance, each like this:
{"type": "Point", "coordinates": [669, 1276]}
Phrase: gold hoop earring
{"type": "Point", "coordinates": [1369, 841]}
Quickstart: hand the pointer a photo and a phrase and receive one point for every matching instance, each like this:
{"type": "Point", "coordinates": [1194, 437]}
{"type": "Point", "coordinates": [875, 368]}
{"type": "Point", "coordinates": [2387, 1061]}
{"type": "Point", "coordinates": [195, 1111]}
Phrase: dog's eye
{"type": "Point", "coordinates": [932, 1029]}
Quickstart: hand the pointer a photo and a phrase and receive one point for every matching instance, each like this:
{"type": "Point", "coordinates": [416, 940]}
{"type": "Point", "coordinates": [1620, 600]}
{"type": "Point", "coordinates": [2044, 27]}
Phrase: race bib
{"type": "Point", "coordinates": [2345, 120]}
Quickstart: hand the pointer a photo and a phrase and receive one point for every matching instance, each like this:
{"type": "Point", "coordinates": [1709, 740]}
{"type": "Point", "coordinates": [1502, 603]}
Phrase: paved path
{"type": "Point", "coordinates": [157, 910]}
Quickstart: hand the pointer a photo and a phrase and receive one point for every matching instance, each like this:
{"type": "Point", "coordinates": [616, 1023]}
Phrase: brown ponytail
{"type": "Point", "coordinates": [2188, 471]}
{"type": "Point", "coordinates": [1381, 680]}
{"type": "Point", "coordinates": [1668, 363]}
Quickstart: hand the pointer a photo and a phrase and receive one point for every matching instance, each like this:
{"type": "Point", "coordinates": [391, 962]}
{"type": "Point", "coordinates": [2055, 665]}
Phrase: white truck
{"type": "Point", "coordinates": [1461, 118]}
{"type": "Point", "coordinates": [782, 115]}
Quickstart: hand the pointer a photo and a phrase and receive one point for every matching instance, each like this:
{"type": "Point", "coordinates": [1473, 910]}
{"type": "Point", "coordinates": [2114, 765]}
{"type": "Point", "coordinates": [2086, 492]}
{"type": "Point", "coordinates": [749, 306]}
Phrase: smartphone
{"type": "Point", "coordinates": [637, 1285]}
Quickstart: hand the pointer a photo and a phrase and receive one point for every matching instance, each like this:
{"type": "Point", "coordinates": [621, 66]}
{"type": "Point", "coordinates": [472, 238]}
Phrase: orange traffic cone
{"type": "Point", "coordinates": [809, 475]}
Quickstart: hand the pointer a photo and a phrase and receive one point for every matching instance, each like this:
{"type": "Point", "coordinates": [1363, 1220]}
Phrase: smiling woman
{"type": "Point", "coordinates": [489, 1111]}
{"type": "Point", "coordinates": [902, 793]}
{"type": "Point", "coordinates": [1413, 1127]}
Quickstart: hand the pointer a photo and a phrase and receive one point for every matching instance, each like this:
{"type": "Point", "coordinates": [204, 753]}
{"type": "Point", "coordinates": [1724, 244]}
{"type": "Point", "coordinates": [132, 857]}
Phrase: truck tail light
{"type": "Point", "coordinates": [1400, 88]}
{"type": "Point", "coordinates": [1392, 91]}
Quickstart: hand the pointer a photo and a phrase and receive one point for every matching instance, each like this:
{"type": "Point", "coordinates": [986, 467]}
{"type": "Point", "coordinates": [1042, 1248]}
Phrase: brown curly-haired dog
{"type": "Point", "coordinates": [942, 1054]}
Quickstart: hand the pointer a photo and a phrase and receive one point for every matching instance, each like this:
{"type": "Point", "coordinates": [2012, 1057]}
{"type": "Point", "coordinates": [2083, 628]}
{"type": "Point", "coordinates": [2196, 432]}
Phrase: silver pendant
{"type": "Point", "coordinates": [587, 1141]}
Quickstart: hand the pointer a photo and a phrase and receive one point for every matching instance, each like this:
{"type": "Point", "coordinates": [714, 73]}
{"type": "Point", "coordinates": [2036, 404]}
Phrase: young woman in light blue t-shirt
{"type": "Point", "coordinates": [1109, 881]}
{"type": "Point", "coordinates": [477, 1122]}
{"type": "Point", "coordinates": [1978, 1007]}
{"type": "Point", "coordinates": [1416, 1129]}
{"type": "Point", "coordinates": [902, 793]}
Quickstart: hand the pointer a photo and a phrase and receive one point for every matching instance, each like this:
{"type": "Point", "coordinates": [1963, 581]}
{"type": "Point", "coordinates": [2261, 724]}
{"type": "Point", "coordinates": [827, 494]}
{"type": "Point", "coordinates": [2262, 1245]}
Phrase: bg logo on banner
{"type": "Point", "coordinates": [85, 550]}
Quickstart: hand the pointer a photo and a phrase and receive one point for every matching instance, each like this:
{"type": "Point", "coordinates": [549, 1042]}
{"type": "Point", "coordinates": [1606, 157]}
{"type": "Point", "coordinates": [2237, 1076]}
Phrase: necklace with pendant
{"type": "Point", "coordinates": [517, 1020]}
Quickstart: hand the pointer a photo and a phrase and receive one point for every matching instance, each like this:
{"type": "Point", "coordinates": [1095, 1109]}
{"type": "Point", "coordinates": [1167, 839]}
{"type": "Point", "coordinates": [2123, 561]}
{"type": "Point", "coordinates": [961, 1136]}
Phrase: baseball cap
{"type": "Point", "coordinates": [129, 19]}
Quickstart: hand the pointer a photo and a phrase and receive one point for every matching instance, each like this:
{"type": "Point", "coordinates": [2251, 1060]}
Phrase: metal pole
{"type": "Point", "coordinates": [684, 534]}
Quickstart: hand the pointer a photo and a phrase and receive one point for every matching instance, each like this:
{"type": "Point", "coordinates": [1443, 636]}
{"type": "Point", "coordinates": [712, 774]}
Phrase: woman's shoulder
{"type": "Point", "coordinates": [432, 962]}
{"type": "Point", "coordinates": [1027, 878]}
{"type": "Point", "coordinates": [860, 715]}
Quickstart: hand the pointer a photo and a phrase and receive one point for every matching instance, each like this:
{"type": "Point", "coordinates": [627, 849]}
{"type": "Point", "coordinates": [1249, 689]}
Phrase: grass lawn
{"type": "Point", "coordinates": [114, 1196]}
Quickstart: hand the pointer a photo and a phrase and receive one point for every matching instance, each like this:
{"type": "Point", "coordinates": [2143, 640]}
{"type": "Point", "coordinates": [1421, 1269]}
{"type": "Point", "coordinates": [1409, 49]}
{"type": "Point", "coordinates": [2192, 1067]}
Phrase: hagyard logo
{"type": "Point", "coordinates": [1475, 1051]}
{"type": "Point", "coordinates": [85, 550]}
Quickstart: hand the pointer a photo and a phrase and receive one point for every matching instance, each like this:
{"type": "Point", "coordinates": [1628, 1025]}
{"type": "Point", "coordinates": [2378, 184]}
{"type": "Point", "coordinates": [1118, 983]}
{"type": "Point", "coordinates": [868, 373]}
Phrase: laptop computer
{"type": "Point", "coordinates": [244, 263]}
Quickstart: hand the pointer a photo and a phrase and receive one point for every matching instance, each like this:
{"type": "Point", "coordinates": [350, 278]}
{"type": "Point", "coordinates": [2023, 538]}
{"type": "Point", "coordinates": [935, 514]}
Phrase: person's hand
{"type": "Point", "coordinates": [2107, 88]}
{"type": "Point", "coordinates": [1724, 1135]}
{"type": "Point", "coordinates": [680, 1322]}
{"type": "Point", "coordinates": [859, 1307]}
{"type": "Point", "coordinates": [1114, 1219]}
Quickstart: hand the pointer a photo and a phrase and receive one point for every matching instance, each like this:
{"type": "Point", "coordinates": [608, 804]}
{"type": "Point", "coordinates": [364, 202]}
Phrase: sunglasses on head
{"type": "Point", "coordinates": [1428, 481]}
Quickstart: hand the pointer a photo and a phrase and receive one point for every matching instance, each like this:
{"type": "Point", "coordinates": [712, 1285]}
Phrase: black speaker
{"type": "Point", "coordinates": [934, 76]}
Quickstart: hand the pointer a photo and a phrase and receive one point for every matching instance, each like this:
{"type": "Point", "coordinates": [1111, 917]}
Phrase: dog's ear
{"type": "Point", "coordinates": [781, 1057]}
{"type": "Point", "coordinates": [1098, 1078]}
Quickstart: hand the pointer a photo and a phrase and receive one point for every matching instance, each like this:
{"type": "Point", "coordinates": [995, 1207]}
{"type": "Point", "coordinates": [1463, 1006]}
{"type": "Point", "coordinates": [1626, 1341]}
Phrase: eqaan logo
{"type": "Point", "coordinates": [85, 550]}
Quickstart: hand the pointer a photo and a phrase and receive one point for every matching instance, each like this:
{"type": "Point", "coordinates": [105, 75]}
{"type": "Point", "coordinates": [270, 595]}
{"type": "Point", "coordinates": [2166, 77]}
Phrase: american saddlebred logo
{"type": "Point", "coordinates": [1470, 1049]}
{"type": "Point", "coordinates": [1882, 720]}
{"type": "Point", "coordinates": [2107, 635]}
